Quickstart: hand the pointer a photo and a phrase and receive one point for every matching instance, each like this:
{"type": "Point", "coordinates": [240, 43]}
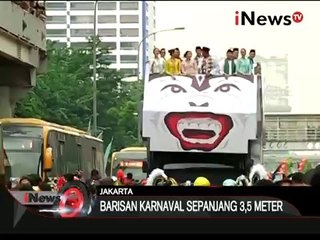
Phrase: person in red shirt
{"type": "Point", "coordinates": [128, 180]}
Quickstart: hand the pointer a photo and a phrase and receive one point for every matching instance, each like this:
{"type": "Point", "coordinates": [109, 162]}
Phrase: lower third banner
{"type": "Point", "coordinates": [189, 206]}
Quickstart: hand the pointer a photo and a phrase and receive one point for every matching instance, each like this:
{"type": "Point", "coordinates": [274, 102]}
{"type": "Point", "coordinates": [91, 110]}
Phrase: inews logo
{"type": "Point", "coordinates": [40, 198]}
{"type": "Point", "coordinates": [251, 18]}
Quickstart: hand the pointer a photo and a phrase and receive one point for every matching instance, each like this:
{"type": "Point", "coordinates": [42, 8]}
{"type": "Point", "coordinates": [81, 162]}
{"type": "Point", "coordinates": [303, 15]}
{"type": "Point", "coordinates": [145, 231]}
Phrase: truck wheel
{"type": "Point", "coordinates": [75, 200]}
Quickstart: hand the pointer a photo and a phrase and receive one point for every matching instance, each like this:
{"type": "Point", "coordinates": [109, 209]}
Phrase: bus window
{"type": "Point", "coordinates": [62, 165]}
{"type": "Point", "coordinates": [79, 157]}
{"type": "Point", "coordinates": [93, 158]}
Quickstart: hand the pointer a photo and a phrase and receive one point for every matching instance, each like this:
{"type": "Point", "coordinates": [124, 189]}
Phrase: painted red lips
{"type": "Point", "coordinates": [193, 136]}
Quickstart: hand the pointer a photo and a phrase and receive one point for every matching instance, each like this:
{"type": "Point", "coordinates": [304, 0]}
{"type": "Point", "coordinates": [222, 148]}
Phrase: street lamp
{"type": "Point", "coordinates": [94, 63]}
{"type": "Point", "coordinates": [149, 35]}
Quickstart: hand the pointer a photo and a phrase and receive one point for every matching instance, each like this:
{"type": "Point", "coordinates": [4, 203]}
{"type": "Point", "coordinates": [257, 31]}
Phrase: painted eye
{"type": "Point", "coordinates": [174, 88]}
{"type": "Point", "coordinates": [226, 87]}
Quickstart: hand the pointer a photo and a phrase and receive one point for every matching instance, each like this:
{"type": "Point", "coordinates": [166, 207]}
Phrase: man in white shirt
{"type": "Point", "coordinates": [199, 58]}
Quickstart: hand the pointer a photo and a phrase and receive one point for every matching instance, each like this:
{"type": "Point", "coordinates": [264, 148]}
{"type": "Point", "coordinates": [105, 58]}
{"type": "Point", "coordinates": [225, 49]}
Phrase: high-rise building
{"type": "Point", "coordinates": [121, 26]}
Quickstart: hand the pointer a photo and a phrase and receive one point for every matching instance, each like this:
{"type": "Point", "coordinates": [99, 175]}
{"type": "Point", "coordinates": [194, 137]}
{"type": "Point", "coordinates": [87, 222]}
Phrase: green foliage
{"type": "Point", "coordinates": [64, 95]}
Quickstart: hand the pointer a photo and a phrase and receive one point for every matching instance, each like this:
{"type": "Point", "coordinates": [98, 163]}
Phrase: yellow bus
{"type": "Point", "coordinates": [2, 168]}
{"type": "Point", "coordinates": [34, 146]}
{"type": "Point", "coordinates": [130, 160]}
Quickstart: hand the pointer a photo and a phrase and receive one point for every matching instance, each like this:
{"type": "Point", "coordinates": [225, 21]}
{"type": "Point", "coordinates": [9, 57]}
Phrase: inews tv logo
{"type": "Point", "coordinates": [40, 198]}
{"type": "Point", "coordinates": [251, 18]}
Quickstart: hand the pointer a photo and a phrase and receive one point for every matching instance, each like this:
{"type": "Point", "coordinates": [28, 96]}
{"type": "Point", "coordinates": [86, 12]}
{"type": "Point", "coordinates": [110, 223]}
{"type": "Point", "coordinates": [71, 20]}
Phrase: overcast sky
{"type": "Point", "coordinates": [212, 24]}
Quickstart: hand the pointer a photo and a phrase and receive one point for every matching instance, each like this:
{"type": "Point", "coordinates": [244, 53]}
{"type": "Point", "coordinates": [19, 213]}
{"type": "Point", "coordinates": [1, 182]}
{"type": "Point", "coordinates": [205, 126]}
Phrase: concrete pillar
{"type": "Point", "coordinates": [9, 96]}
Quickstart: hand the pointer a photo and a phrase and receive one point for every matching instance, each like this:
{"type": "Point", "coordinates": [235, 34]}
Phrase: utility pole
{"type": "Point", "coordinates": [94, 77]}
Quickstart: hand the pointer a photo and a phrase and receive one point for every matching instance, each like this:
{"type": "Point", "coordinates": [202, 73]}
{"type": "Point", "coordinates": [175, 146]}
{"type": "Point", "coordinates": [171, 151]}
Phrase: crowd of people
{"type": "Point", "coordinates": [33, 182]}
{"type": "Point", "coordinates": [36, 8]}
{"type": "Point", "coordinates": [282, 176]}
{"type": "Point", "coordinates": [204, 63]}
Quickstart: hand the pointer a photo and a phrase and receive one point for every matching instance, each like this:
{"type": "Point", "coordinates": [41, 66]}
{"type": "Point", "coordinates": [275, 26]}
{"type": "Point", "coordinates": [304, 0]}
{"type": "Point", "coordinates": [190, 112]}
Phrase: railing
{"type": "Point", "coordinates": [298, 135]}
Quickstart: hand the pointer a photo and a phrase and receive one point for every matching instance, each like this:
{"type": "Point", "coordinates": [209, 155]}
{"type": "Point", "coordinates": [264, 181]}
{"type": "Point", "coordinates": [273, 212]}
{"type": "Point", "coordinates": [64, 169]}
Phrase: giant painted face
{"type": "Point", "coordinates": [198, 112]}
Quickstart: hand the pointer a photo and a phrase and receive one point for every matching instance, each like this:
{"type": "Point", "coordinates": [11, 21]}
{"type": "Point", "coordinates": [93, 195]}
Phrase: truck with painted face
{"type": "Point", "coordinates": [202, 124]}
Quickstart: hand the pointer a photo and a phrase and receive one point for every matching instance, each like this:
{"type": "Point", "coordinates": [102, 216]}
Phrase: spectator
{"type": "Point", "coordinates": [178, 54]}
{"type": "Point", "coordinates": [25, 180]}
{"type": "Point", "coordinates": [24, 187]}
{"type": "Point", "coordinates": [40, 11]}
{"type": "Point", "coordinates": [35, 179]}
{"type": "Point", "coordinates": [207, 63]}
{"type": "Point", "coordinates": [45, 187]}
{"type": "Point", "coordinates": [157, 65]}
{"type": "Point", "coordinates": [235, 53]}
{"type": "Point", "coordinates": [229, 183]}
{"type": "Point", "coordinates": [252, 55]}
{"type": "Point", "coordinates": [163, 53]}
{"type": "Point", "coordinates": [284, 183]}
{"type": "Point", "coordinates": [106, 181]}
{"type": "Point", "coordinates": [243, 64]}
{"type": "Point", "coordinates": [69, 177]}
{"type": "Point", "coordinates": [188, 65]}
{"type": "Point", "coordinates": [315, 180]}
{"type": "Point", "coordinates": [94, 178]}
{"type": "Point", "coordinates": [202, 182]}
{"type": "Point", "coordinates": [199, 58]}
{"type": "Point", "coordinates": [229, 65]}
{"type": "Point", "coordinates": [173, 64]}
{"type": "Point", "coordinates": [297, 178]}
{"type": "Point", "coordinates": [264, 183]}
{"type": "Point", "coordinates": [128, 180]}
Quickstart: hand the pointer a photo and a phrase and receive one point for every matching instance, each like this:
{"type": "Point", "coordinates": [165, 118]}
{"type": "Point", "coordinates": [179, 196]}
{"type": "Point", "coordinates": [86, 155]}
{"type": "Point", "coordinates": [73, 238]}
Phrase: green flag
{"type": "Point", "coordinates": [290, 165]}
{"type": "Point", "coordinates": [107, 153]}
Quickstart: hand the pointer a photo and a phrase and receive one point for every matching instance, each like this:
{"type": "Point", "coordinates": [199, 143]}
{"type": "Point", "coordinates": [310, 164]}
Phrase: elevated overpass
{"type": "Point", "coordinates": [22, 53]}
{"type": "Point", "coordinates": [291, 135]}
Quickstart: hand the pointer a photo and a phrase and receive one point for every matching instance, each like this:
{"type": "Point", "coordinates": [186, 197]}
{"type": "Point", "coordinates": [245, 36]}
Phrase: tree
{"type": "Point", "coordinates": [64, 94]}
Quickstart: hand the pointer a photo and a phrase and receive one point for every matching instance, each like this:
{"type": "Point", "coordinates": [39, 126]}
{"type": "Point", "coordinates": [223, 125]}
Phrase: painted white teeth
{"type": "Point", "coordinates": [200, 124]}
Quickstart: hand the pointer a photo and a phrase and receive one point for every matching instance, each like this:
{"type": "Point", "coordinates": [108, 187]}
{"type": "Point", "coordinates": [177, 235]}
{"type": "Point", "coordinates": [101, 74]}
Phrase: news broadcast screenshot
{"type": "Point", "coordinates": [159, 117]}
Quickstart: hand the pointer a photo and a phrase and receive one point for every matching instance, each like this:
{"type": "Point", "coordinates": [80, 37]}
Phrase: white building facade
{"type": "Point", "coordinates": [120, 24]}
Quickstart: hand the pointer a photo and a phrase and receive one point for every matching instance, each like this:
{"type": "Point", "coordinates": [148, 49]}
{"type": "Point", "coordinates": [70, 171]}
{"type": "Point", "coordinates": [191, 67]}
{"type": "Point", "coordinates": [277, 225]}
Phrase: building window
{"type": "Point", "coordinates": [111, 59]}
{"type": "Point", "coordinates": [128, 58]}
{"type": "Point", "coordinates": [129, 45]}
{"type": "Point", "coordinates": [81, 19]}
{"type": "Point", "coordinates": [107, 19]}
{"type": "Point", "coordinates": [107, 6]}
{"type": "Point", "coordinates": [129, 32]}
{"type": "Point", "coordinates": [129, 5]}
{"type": "Point", "coordinates": [81, 32]}
{"type": "Point", "coordinates": [56, 20]}
{"type": "Point", "coordinates": [154, 23]}
{"type": "Point", "coordinates": [109, 45]}
{"type": "Point", "coordinates": [129, 71]}
{"type": "Point", "coordinates": [147, 21]}
{"type": "Point", "coordinates": [111, 32]}
{"type": "Point", "coordinates": [129, 19]}
{"type": "Point", "coordinates": [56, 6]}
{"type": "Point", "coordinates": [81, 5]}
{"type": "Point", "coordinates": [56, 32]}
{"type": "Point", "coordinates": [78, 45]}
{"type": "Point", "coordinates": [59, 44]}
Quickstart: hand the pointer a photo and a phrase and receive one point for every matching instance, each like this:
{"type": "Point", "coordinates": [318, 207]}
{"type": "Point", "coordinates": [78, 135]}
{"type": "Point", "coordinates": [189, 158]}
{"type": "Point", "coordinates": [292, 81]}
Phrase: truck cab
{"type": "Point", "coordinates": [211, 120]}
